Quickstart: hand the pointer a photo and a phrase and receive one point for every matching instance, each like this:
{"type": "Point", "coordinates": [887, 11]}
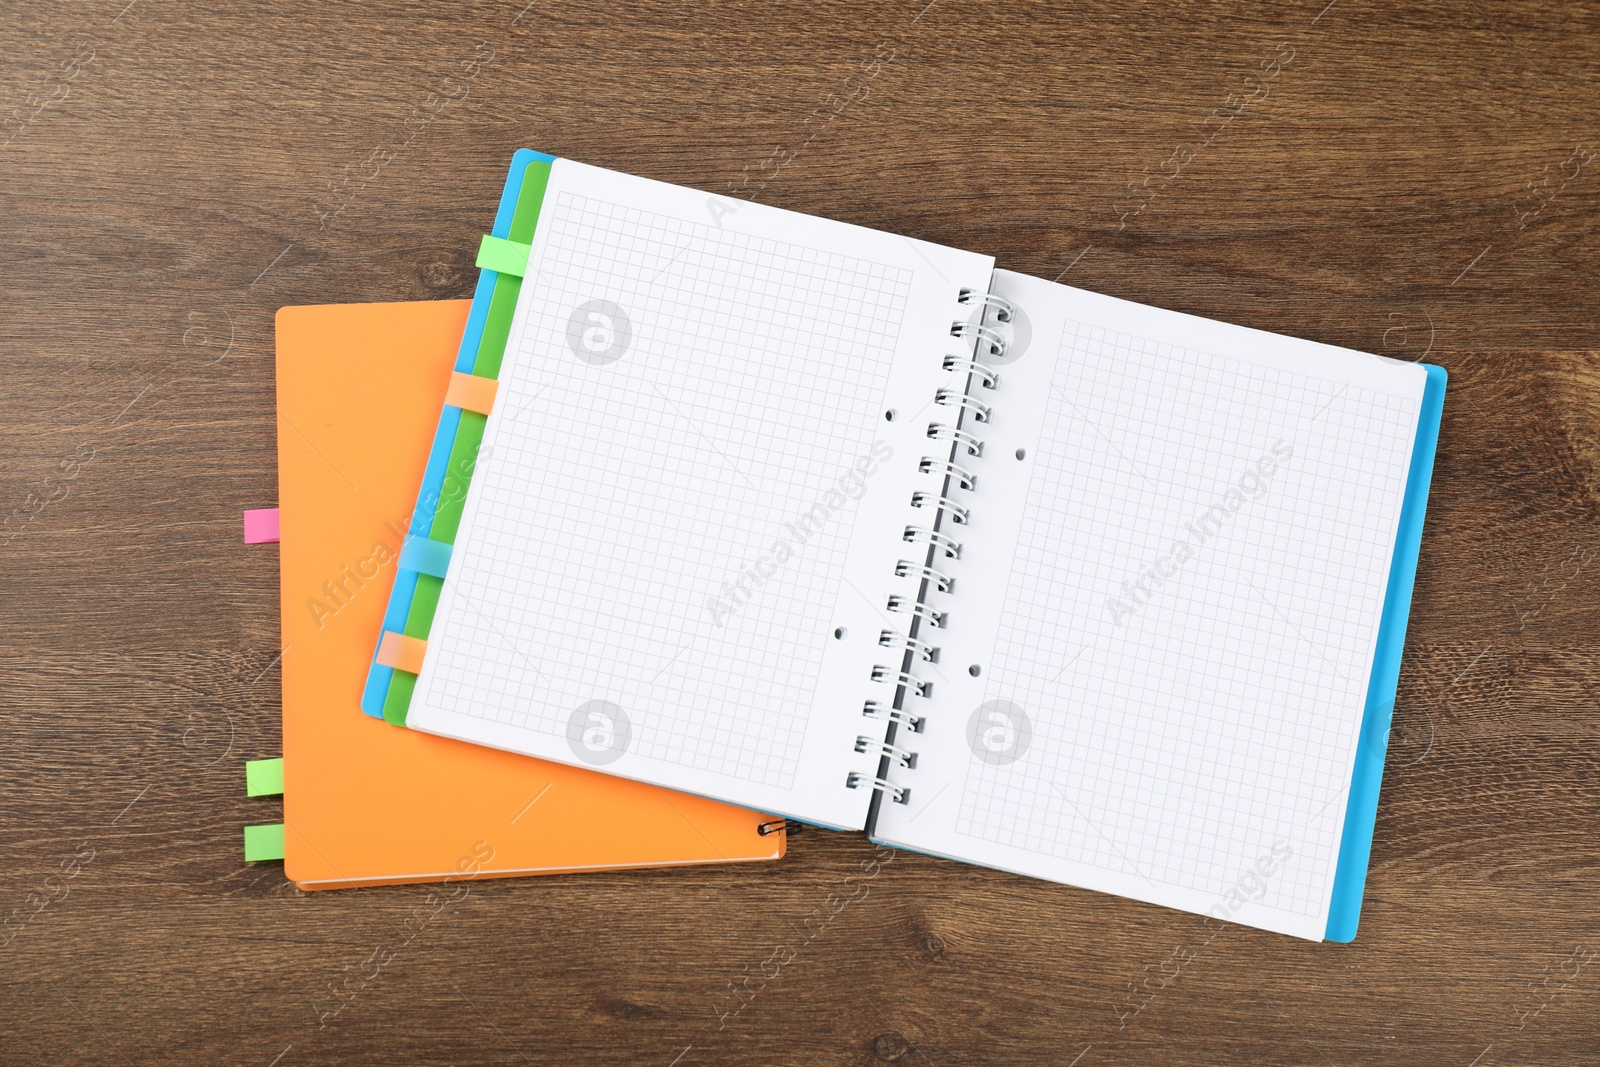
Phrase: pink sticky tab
{"type": "Point", "coordinates": [260, 526]}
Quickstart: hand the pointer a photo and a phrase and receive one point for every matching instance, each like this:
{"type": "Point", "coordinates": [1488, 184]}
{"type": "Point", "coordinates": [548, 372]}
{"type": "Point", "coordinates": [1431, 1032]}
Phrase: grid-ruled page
{"type": "Point", "coordinates": [1193, 600]}
{"type": "Point", "coordinates": [657, 533]}
{"type": "Point", "coordinates": [1189, 621]}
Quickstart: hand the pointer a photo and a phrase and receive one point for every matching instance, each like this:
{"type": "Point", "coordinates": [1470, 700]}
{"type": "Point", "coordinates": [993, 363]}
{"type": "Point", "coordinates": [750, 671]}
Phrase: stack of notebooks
{"type": "Point", "coordinates": [359, 390]}
{"type": "Point", "coordinates": [703, 509]}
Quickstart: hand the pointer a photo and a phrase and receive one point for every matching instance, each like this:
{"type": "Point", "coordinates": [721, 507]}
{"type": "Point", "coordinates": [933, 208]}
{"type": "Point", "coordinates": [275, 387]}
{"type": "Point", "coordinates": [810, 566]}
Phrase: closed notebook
{"type": "Point", "coordinates": [359, 389]}
{"type": "Point", "coordinates": [861, 530]}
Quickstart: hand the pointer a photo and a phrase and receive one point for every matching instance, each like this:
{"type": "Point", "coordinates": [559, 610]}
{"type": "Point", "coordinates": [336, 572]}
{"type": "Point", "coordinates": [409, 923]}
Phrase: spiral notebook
{"type": "Point", "coordinates": [858, 529]}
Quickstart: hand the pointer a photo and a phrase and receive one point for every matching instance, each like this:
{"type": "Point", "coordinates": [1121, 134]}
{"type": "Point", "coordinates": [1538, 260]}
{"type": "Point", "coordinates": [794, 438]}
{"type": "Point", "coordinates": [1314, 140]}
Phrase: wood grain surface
{"type": "Point", "coordinates": [1418, 181]}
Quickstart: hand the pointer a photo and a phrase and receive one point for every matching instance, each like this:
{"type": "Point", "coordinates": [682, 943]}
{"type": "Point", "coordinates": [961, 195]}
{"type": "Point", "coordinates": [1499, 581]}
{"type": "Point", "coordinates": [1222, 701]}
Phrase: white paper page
{"type": "Point", "coordinates": [685, 461]}
{"type": "Point", "coordinates": [1173, 600]}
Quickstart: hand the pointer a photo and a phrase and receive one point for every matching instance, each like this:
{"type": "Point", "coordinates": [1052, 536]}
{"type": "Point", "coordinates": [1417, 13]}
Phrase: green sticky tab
{"type": "Point", "coordinates": [263, 843]}
{"type": "Point", "coordinates": [263, 777]}
{"type": "Point", "coordinates": [507, 257]}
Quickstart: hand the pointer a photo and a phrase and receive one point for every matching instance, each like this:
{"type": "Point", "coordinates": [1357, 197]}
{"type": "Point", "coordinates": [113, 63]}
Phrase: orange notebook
{"type": "Point", "coordinates": [359, 391]}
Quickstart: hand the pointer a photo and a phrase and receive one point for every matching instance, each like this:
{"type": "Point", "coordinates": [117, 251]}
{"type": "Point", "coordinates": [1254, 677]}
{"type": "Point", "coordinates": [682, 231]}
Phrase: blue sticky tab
{"type": "Point", "coordinates": [425, 556]}
{"type": "Point", "coordinates": [1361, 810]}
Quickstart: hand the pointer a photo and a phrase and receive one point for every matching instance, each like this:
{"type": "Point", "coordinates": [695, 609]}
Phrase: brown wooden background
{"type": "Point", "coordinates": [1411, 181]}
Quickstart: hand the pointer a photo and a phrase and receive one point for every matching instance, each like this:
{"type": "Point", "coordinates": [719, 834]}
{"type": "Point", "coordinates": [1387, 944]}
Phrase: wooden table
{"type": "Point", "coordinates": [1417, 181]}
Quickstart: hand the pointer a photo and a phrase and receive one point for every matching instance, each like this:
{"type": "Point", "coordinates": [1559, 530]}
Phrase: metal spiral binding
{"type": "Point", "coordinates": [916, 607]}
{"type": "Point", "coordinates": [904, 679]}
{"type": "Point", "coordinates": [988, 377]}
{"type": "Point", "coordinates": [941, 502]}
{"type": "Point", "coordinates": [874, 710]}
{"type": "Point", "coordinates": [883, 785]}
{"type": "Point", "coordinates": [1001, 306]}
{"type": "Point", "coordinates": [958, 514]}
{"type": "Point", "coordinates": [941, 581]}
{"type": "Point", "coordinates": [965, 479]}
{"type": "Point", "coordinates": [890, 639]}
{"type": "Point", "coordinates": [940, 431]}
{"type": "Point", "coordinates": [900, 756]}
{"type": "Point", "coordinates": [952, 547]}
{"type": "Point", "coordinates": [952, 398]}
{"type": "Point", "coordinates": [997, 342]}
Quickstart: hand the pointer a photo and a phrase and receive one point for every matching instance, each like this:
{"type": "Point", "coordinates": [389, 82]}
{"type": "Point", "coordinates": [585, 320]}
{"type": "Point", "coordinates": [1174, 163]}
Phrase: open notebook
{"type": "Point", "coordinates": [858, 529]}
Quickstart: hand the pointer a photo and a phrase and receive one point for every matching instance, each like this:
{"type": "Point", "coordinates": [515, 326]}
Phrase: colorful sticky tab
{"type": "Point", "coordinates": [471, 392]}
{"type": "Point", "coordinates": [263, 843]}
{"type": "Point", "coordinates": [260, 526]}
{"type": "Point", "coordinates": [263, 777]}
{"type": "Point", "coordinates": [506, 257]}
{"type": "Point", "coordinates": [401, 652]}
{"type": "Point", "coordinates": [425, 556]}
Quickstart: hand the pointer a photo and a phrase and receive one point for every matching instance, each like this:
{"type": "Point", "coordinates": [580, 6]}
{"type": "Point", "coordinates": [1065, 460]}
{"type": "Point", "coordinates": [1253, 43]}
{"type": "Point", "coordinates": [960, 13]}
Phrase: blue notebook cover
{"type": "Point", "coordinates": [1361, 811]}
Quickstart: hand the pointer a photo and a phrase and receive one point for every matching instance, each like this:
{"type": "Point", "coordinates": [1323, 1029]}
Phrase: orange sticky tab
{"type": "Point", "coordinates": [471, 392]}
{"type": "Point", "coordinates": [401, 652]}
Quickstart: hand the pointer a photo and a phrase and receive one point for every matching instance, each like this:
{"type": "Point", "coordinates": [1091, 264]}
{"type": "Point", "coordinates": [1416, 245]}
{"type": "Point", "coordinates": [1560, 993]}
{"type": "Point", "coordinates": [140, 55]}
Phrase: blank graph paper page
{"type": "Point", "coordinates": [686, 379]}
{"type": "Point", "coordinates": [1191, 615]}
